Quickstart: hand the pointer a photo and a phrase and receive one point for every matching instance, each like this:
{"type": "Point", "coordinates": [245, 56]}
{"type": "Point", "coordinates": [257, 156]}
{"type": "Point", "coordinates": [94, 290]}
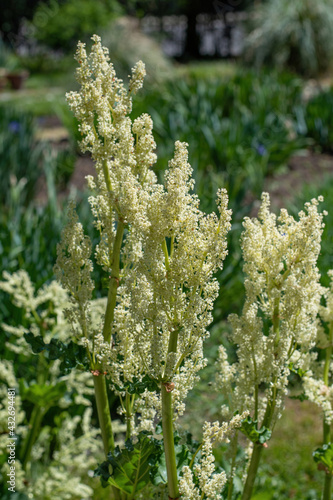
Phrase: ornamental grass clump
{"type": "Point", "coordinates": [296, 35]}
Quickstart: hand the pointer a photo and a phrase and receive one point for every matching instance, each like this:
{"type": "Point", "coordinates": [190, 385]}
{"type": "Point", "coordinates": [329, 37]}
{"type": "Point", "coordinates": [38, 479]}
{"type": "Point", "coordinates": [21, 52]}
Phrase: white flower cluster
{"type": "Point", "coordinates": [209, 484]}
{"type": "Point", "coordinates": [43, 310]}
{"type": "Point", "coordinates": [122, 150]}
{"type": "Point", "coordinates": [64, 476]}
{"type": "Point", "coordinates": [171, 290]}
{"type": "Point", "coordinates": [319, 393]}
{"type": "Point", "coordinates": [73, 269]}
{"type": "Point", "coordinates": [155, 243]}
{"type": "Point", "coordinates": [316, 381]}
{"type": "Point", "coordinates": [278, 325]}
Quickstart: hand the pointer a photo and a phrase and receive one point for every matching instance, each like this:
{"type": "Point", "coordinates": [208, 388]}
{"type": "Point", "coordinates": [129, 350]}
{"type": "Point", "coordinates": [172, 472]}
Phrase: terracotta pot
{"type": "Point", "coordinates": [17, 79]}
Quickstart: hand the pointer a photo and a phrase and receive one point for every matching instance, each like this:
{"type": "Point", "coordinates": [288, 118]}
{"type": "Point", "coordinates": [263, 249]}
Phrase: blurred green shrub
{"type": "Point", "coordinates": [23, 158]}
{"type": "Point", "coordinates": [70, 123]}
{"type": "Point", "coordinates": [60, 25]}
{"type": "Point", "coordinates": [296, 35]}
{"type": "Point", "coordinates": [29, 234]}
{"type": "Point", "coordinates": [54, 414]}
{"type": "Point", "coordinates": [48, 63]}
{"type": "Point", "coordinates": [20, 155]}
{"type": "Point", "coordinates": [319, 120]}
{"type": "Point", "coordinates": [4, 53]}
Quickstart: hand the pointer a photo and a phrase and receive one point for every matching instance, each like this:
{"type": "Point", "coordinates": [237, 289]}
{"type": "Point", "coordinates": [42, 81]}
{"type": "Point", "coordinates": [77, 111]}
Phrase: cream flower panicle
{"type": "Point", "coordinates": [278, 326]}
{"type": "Point", "coordinates": [157, 244]}
{"type": "Point", "coordinates": [209, 483]}
{"type": "Point", "coordinates": [317, 379]}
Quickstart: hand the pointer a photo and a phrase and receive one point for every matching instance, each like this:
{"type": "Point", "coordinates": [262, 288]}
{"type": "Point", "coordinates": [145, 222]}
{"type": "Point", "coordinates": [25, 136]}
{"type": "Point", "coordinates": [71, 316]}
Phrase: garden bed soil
{"type": "Point", "coordinates": [312, 168]}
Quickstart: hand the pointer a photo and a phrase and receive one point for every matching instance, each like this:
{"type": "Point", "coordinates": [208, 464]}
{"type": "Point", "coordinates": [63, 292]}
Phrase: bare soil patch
{"type": "Point", "coordinates": [311, 168]}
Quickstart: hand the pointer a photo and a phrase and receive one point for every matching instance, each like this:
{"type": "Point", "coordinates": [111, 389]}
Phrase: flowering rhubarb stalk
{"type": "Point", "coordinates": [278, 325]}
{"type": "Point", "coordinates": [158, 250]}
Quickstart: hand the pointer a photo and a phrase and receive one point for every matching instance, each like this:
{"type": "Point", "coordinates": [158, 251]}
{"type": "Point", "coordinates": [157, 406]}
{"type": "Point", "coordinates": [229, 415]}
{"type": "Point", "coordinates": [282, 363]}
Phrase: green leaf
{"type": "Point", "coordinates": [56, 349]}
{"type": "Point", "coordinates": [71, 355]}
{"type": "Point", "coordinates": [250, 429]}
{"type": "Point", "coordinates": [37, 343]}
{"type": "Point", "coordinates": [42, 395]}
{"type": "Point", "coordinates": [138, 386]}
{"type": "Point", "coordinates": [182, 456]}
{"type": "Point", "coordinates": [104, 470]}
{"type": "Point", "coordinates": [74, 356]}
{"type": "Point", "coordinates": [298, 371]}
{"type": "Point", "coordinates": [105, 282]}
{"type": "Point", "coordinates": [185, 447]}
{"type": "Point", "coordinates": [133, 467]}
{"type": "Point", "coordinates": [324, 456]}
{"type": "Point", "coordinates": [300, 397]}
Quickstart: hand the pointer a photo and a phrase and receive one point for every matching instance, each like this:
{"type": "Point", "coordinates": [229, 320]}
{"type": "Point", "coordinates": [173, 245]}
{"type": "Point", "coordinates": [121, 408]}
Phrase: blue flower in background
{"type": "Point", "coordinates": [14, 127]}
{"type": "Point", "coordinates": [261, 150]}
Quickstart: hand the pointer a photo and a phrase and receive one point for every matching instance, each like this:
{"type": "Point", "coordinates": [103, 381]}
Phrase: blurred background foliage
{"type": "Point", "coordinates": [295, 35]}
{"type": "Point", "coordinates": [244, 118]}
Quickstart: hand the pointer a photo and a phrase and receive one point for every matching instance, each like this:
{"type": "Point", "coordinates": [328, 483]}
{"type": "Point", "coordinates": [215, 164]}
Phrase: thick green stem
{"type": "Point", "coordinates": [114, 282]}
{"type": "Point", "coordinates": [234, 444]}
{"type": "Point", "coordinates": [128, 416]}
{"type": "Point", "coordinates": [257, 450]}
{"type": "Point", "coordinates": [327, 493]}
{"type": "Point", "coordinates": [102, 401]}
{"type": "Point", "coordinates": [104, 419]}
{"type": "Point", "coordinates": [107, 176]}
{"type": "Point", "coordinates": [276, 321]}
{"type": "Point", "coordinates": [38, 412]}
{"type": "Point", "coordinates": [328, 355]}
{"type": "Point", "coordinates": [256, 388]}
{"type": "Point", "coordinates": [167, 425]}
{"type": "Point", "coordinates": [101, 397]}
{"type": "Point", "coordinates": [326, 432]}
{"type": "Point", "coordinates": [269, 413]}
{"type": "Point", "coordinates": [103, 411]}
{"type": "Point", "coordinates": [252, 471]}
{"type": "Point", "coordinates": [34, 426]}
{"type": "Point", "coordinates": [169, 445]}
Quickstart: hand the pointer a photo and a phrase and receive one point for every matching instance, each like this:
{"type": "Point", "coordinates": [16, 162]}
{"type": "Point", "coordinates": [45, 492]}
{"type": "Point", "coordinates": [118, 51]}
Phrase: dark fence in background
{"type": "Point", "coordinates": [218, 36]}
